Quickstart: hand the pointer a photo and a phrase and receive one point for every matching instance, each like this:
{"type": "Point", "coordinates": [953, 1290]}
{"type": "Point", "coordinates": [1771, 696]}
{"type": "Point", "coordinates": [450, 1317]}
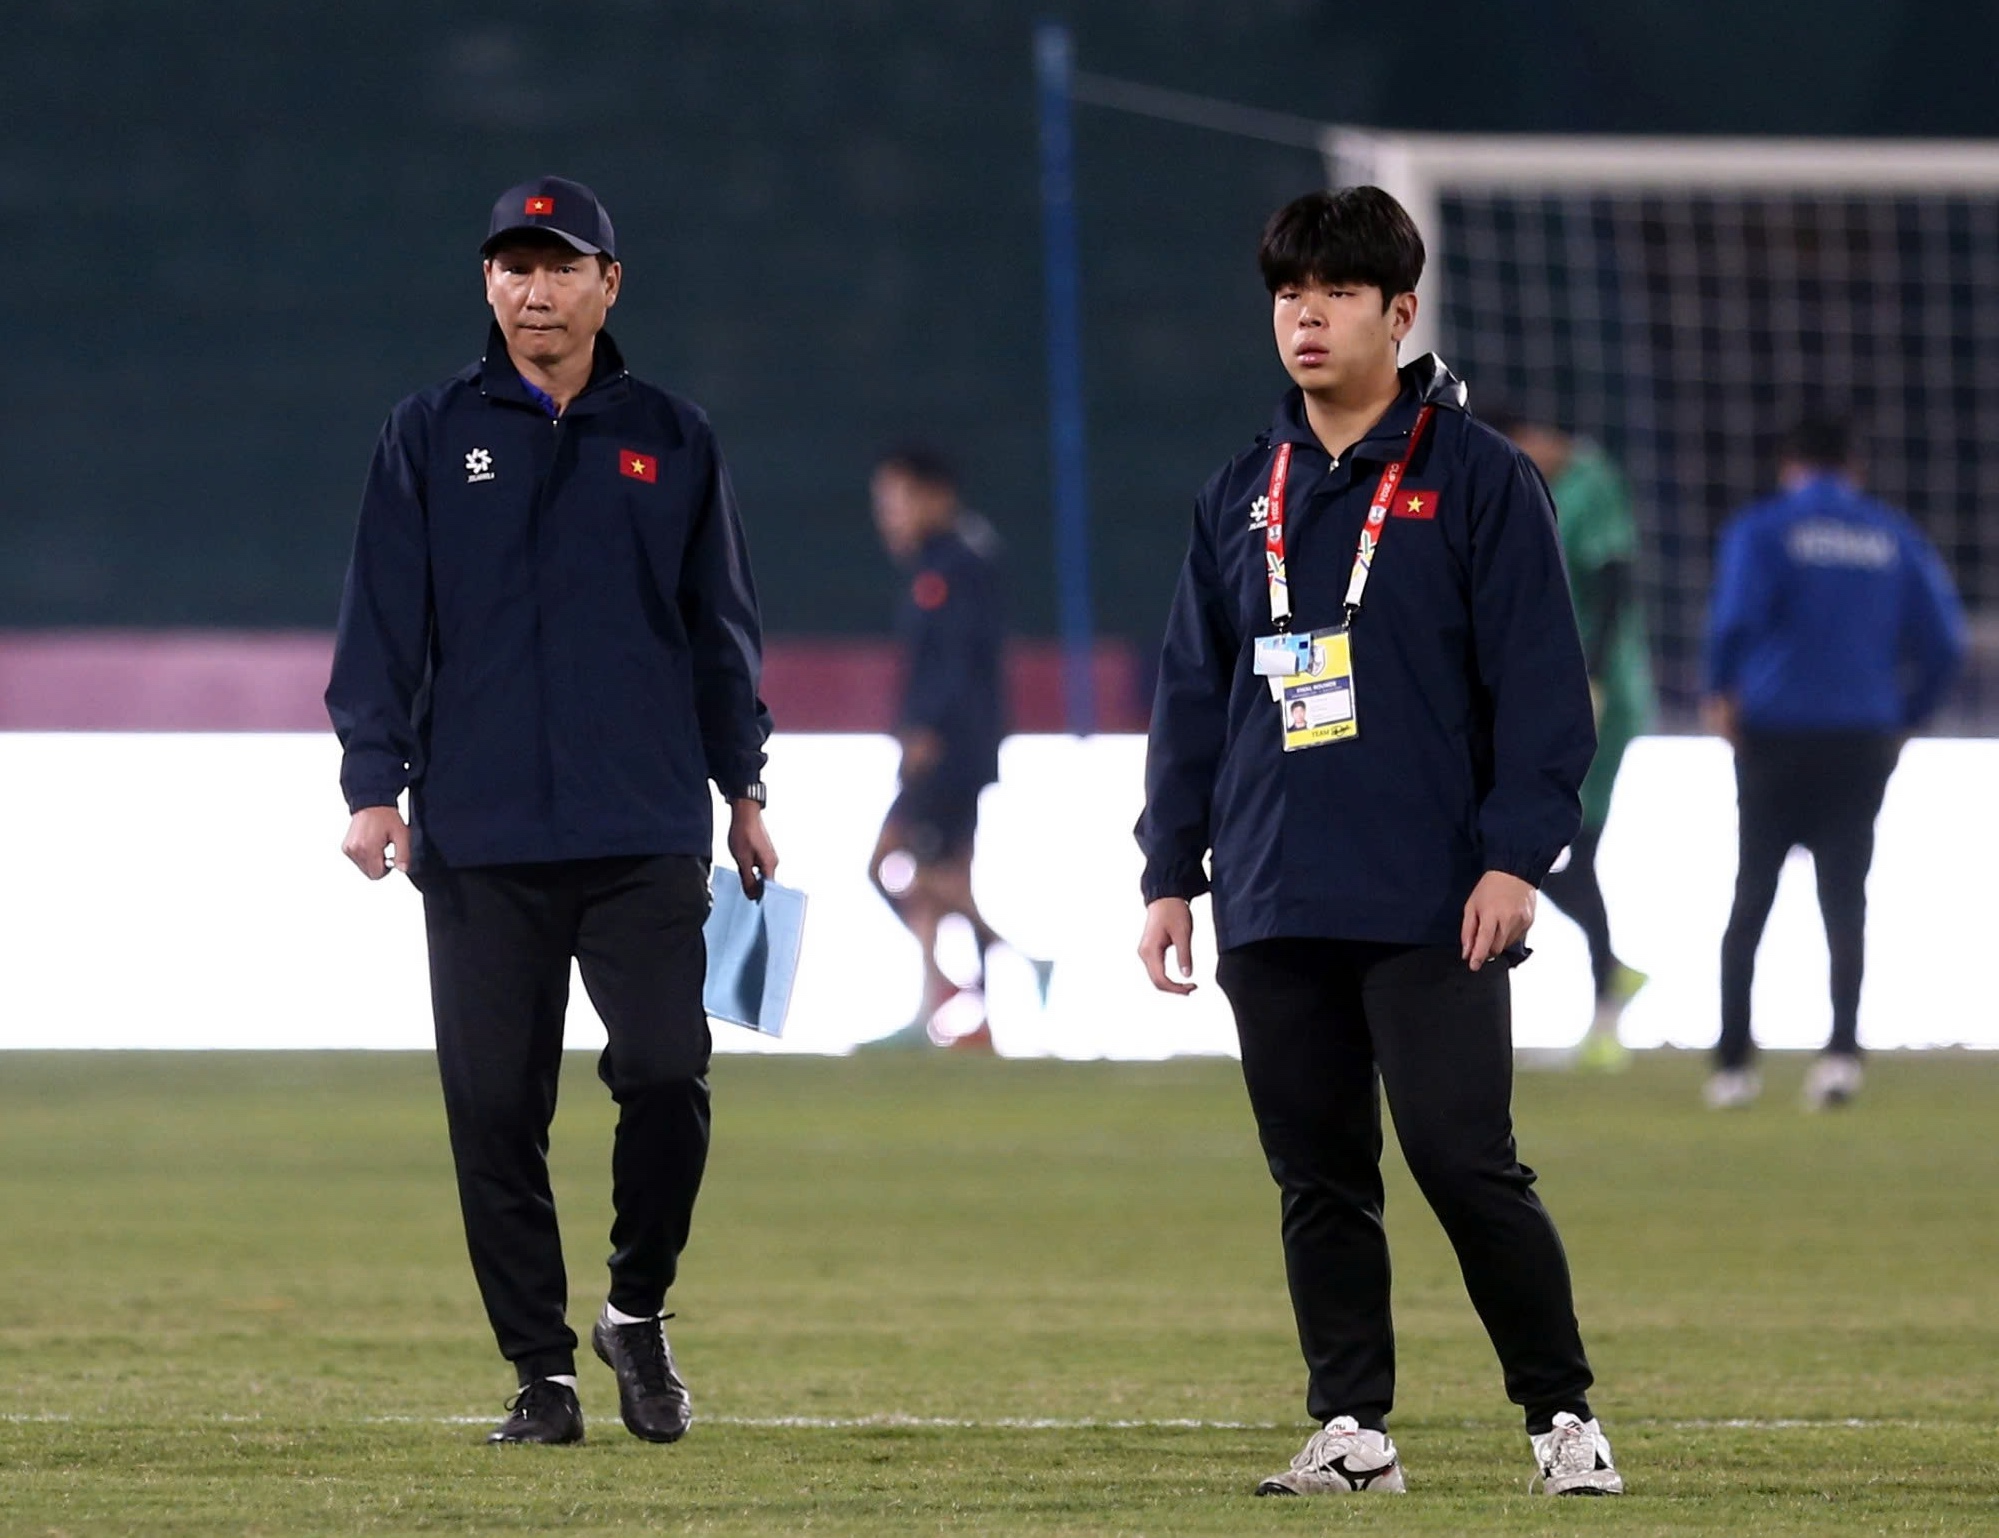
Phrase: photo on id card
{"type": "Point", "coordinates": [1318, 705]}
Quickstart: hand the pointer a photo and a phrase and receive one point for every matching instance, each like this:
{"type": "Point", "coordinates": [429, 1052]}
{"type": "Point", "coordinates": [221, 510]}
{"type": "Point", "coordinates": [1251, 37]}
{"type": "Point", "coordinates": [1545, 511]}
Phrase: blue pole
{"type": "Point", "coordinates": [1053, 65]}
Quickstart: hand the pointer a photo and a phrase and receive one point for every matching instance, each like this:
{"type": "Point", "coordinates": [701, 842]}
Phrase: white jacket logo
{"type": "Point", "coordinates": [478, 466]}
{"type": "Point", "coordinates": [1828, 542]}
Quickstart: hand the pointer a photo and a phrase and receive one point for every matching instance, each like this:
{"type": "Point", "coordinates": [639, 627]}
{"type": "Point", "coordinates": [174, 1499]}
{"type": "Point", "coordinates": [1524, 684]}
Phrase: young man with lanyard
{"type": "Point", "coordinates": [1390, 564]}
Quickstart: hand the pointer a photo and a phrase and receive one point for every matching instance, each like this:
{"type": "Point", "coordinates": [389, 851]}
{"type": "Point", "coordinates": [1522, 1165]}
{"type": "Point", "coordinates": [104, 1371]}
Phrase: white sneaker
{"type": "Point", "coordinates": [1732, 1089]}
{"type": "Point", "coordinates": [1832, 1081]}
{"type": "Point", "coordinates": [1341, 1460]}
{"type": "Point", "coordinates": [1574, 1459]}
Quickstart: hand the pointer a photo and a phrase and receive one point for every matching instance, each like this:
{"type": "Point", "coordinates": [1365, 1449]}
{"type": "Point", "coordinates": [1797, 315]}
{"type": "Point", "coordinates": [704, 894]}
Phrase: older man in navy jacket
{"type": "Point", "coordinates": [1373, 719]}
{"type": "Point", "coordinates": [550, 639]}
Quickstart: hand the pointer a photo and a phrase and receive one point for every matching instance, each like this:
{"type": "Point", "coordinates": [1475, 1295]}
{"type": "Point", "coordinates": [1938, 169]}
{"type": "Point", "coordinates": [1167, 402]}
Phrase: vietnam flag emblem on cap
{"type": "Point", "coordinates": [542, 206]}
{"type": "Point", "coordinates": [635, 466]}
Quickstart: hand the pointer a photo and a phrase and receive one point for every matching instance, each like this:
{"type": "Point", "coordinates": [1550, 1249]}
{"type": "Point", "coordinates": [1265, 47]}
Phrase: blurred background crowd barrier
{"type": "Point", "coordinates": [213, 858]}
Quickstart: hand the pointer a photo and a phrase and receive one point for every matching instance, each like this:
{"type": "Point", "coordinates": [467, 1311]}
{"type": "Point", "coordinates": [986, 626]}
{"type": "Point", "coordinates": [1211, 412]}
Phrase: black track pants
{"type": "Point", "coordinates": [501, 940]}
{"type": "Point", "coordinates": [1821, 790]}
{"type": "Point", "coordinates": [1322, 1023]}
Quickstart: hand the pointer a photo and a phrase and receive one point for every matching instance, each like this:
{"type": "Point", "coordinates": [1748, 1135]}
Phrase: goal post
{"type": "Point", "coordinates": [1681, 300]}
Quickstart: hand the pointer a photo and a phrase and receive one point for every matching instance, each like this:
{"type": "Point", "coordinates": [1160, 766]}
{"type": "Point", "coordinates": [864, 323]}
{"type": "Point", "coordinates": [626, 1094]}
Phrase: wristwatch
{"type": "Point", "coordinates": [755, 791]}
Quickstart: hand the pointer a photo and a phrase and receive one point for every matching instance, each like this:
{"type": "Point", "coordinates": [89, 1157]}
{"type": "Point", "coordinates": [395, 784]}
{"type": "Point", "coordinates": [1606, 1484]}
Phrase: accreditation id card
{"type": "Point", "coordinates": [1316, 704]}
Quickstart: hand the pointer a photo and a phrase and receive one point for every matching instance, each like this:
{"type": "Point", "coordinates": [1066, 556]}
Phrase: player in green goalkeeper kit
{"type": "Point", "coordinates": [1600, 545]}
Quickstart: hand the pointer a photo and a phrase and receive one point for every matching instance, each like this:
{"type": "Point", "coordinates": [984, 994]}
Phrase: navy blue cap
{"type": "Point", "coordinates": [555, 206]}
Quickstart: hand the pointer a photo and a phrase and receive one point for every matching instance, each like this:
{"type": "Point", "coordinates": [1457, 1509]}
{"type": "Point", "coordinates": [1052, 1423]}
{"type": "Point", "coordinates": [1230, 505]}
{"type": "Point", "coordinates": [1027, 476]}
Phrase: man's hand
{"type": "Point", "coordinates": [1497, 917]}
{"type": "Point", "coordinates": [750, 847]}
{"type": "Point", "coordinates": [372, 833]}
{"type": "Point", "coordinates": [1169, 925]}
{"type": "Point", "coordinates": [1720, 715]}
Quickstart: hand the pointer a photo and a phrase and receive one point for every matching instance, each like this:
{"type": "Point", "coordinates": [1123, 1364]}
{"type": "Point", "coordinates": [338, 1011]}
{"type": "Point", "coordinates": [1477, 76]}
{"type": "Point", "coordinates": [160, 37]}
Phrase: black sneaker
{"type": "Point", "coordinates": [543, 1411]}
{"type": "Point", "coordinates": [651, 1398]}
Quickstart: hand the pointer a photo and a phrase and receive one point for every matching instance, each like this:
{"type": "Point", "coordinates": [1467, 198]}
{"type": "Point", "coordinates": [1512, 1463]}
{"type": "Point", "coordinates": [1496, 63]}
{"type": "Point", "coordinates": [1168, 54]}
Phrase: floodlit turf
{"type": "Point", "coordinates": [233, 1299]}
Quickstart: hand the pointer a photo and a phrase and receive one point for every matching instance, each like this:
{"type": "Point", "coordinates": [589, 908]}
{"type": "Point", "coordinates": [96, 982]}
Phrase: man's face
{"type": "Point", "coordinates": [1331, 336]}
{"type": "Point", "coordinates": [550, 300]}
{"type": "Point", "coordinates": [907, 510]}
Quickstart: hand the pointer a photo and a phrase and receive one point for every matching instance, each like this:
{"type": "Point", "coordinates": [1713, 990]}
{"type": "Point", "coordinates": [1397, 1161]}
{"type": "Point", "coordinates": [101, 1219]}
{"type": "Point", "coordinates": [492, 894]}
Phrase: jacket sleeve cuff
{"type": "Point", "coordinates": [1531, 868]}
{"type": "Point", "coordinates": [733, 761]}
{"type": "Point", "coordinates": [1186, 881]}
{"type": "Point", "coordinates": [363, 797]}
{"type": "Point", "coordinates": [736, 772]}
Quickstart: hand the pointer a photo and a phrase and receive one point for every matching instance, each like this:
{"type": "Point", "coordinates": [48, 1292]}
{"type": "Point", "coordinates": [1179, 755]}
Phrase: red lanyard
{"type": "Point", "coordinates": [1370, 533]}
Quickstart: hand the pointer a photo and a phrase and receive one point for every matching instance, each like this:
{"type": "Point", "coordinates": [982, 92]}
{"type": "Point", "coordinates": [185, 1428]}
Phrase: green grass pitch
{"type": "Point", "coordinates": [233, 1300]}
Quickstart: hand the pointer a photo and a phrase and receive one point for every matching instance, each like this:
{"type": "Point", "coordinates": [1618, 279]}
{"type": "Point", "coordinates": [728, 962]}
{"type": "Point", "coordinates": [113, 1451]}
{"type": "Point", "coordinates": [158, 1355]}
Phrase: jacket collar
{"type": "Point", "coordinates": [1425, 382]}
{"type": "Point", "coordinates": [500, 380]}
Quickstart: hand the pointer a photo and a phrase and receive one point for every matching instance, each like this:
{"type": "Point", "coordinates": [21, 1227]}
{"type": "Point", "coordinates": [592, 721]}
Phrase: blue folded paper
{"type": "Point", "coordinates": [752, 953]}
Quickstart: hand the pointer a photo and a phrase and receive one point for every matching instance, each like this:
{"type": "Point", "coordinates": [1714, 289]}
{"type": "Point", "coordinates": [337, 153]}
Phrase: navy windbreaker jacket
{"type": "Point", "coordinates": [953, 637]}
{"type": "Point", "coordinates": [1831, 612]}
{"type": "Point", "coordinates": [549, 632]}
{"type": "Point", "coordinates": [1469, 689]}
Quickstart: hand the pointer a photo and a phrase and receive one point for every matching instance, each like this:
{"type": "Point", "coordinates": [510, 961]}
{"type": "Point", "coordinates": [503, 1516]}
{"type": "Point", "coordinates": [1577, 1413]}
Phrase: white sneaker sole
{"type": "Point", "coordinates": [1387, 1482]}
{"type": "Point", "coordinates": [1603, 1482]}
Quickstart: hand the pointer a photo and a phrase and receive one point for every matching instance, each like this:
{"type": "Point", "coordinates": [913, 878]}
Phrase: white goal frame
{"type": "Point", "coordinates": [1421, 169]}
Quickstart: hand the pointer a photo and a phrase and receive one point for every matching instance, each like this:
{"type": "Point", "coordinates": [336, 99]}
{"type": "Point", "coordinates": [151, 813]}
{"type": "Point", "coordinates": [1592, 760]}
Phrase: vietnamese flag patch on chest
{"type": "Point", "coordinates": [634, 466]}
{"type": "Point", "coordinates": [1415, 504]}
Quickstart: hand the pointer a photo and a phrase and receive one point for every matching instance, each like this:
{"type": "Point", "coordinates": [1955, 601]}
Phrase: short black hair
{"type": "Point", "coordinates": [1825, 440]}
{"type": "Point", "coordinates": [1355, 235]}
{"type": "Point", "coordinates": [923, 464]}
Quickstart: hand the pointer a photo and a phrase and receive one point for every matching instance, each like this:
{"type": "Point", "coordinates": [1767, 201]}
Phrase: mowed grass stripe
{"type": "Point", "coordinates": [945, 1295]}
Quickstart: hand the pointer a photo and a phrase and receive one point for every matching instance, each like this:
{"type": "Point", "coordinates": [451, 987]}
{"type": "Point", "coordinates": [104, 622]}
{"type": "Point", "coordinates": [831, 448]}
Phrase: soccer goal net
{"type": "Point", "coordinates": [1682, 301]}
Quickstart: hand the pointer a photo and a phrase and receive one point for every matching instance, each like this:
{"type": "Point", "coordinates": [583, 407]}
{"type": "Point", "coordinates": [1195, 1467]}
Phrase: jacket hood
{"type": "Point", "coordinates": [1434, 383]}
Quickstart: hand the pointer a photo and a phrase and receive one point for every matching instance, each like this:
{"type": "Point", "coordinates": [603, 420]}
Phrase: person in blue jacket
{"type": "Point", "coordinates": [1833, 633]}
{"type": "Point", "coordinates": [1390, 564]}
{"type": "Point", "coordinates": [949, 725]}
{"type": "Point", "coordinates": [550, 639]}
